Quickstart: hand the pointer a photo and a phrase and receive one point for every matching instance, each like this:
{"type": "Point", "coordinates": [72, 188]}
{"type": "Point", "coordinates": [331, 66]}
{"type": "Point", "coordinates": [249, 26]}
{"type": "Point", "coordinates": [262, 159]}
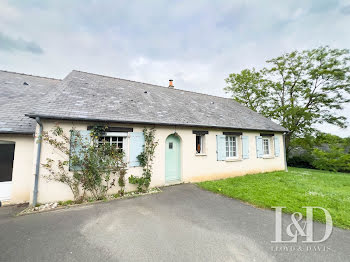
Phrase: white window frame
{"type": "Point", "coordinates": [202, 145]}
{"type": "Point", "coordinates": [268, 139]}
{"type": "Point", "coordinates": [228, 147]}
{"type": "Point", "coordinates": [124, 135]}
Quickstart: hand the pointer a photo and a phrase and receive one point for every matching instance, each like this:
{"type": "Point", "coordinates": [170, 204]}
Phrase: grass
{"type": "Point", "coordinates": [66, 203]}
{"type": "Point", "coordinates": [294, 189]}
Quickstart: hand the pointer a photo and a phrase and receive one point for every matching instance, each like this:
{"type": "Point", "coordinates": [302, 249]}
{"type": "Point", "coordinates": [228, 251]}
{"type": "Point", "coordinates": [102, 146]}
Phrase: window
{"type": "Point", "coordinates": [115, 139]}
{"type": "Point", "coordinates": [231, 146]}
{"type": "Point", "coordinates": [200, 141]}
{"type": "Point", "coordinates": [199, 144]}
{"type": "Point", "coordinates": [266, 146]}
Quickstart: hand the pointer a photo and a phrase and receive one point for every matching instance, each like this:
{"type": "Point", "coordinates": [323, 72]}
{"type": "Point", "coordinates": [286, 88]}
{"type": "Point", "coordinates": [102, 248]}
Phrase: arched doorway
{"type": "Point", "coordinates": [172, 159]}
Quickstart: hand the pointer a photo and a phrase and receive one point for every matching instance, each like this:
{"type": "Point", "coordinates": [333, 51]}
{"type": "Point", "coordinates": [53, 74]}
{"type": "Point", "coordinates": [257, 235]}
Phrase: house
{"type": "Point", "coordinates": [201, 137]}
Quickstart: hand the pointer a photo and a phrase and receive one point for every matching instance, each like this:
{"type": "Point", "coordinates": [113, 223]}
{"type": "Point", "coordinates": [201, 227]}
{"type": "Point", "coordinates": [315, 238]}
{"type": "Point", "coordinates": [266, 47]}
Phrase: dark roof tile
{"type": "Point", "coordinates": [18, 94]}
{"type": "Point", "coordinates": [86, 96]}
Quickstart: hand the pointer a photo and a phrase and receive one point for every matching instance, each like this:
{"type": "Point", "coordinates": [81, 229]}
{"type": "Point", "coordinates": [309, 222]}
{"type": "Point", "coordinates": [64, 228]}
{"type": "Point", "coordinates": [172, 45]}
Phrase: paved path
{"type": "Point", "coordinates": [183, 223]}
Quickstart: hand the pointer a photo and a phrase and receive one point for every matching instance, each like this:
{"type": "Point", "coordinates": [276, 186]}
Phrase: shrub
{"type": "Point", "coordinates": [99, 168]}
{"type": "Point", "coordinates": [333, 160]}
{"type": "Point", "coordinates": [66, 203]}
{"type": "Point", "coordinates": [58, 170]}
{"type": "Point", "coordinates": [96, 166]}
{"type": "Point", "coordinates": [322, 151]}
{"type": "Point", "coordinates": [303, 160]}
{"type": "Point", "coordinates": [146, 161]}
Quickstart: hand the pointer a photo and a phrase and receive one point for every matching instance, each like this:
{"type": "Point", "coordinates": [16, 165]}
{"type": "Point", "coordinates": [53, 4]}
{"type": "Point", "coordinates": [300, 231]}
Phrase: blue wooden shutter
{"type": "Point", "coordinates": [137, 142]}
{"type": "Point", "coordinates": [79, 140]}
{"type": "Point", "coordinates": [277, 146]}
{"type": "Point", "coordinates": [259, 146]}
{"type": "Point", "coordinates": [221, 147]}
{"type": "Point", "coordinates": [245, 147]}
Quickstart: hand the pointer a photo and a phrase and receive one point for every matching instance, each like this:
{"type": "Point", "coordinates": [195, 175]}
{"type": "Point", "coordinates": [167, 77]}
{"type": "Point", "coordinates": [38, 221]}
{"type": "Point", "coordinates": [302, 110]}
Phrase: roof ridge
{"type": "Point", "coordinates": [154, 85]}
{"type": "Point", "coordinates": [11, 72]}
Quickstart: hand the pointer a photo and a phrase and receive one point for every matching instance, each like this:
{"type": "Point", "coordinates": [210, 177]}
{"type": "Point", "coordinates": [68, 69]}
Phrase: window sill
{"type": "Point", "coordinates": [268, 157]}
{"type": "Point", "coordinates": [233, 159]}
{"type": "Point", "coordinates": [201, 154]}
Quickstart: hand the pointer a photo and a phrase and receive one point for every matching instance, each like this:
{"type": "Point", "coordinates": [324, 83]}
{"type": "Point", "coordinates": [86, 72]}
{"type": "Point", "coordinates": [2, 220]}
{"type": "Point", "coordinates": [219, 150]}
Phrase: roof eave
{"type": "Point", "coordinates": [16, 133]}
{"type": "Point", "coordinates": [147, 123]}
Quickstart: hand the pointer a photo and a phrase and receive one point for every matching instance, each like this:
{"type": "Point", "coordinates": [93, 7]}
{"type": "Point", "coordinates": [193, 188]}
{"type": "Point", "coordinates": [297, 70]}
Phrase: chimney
{"type": "Point", "coordinates": [171, 83]}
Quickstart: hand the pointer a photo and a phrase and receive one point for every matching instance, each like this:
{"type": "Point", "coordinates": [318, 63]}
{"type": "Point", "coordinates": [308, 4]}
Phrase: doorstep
{"type": "Point", "coordinates": [174, 182]}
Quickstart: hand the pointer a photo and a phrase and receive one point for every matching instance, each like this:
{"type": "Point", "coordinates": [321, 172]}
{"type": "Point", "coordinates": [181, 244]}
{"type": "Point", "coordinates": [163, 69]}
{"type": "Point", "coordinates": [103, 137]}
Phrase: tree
{"type": "Point", "coordinates": [298, 89]}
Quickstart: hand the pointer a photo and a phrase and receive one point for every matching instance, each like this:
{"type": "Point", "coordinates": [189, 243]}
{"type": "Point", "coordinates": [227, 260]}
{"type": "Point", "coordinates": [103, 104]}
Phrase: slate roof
{"type": "Point", "coordinates": [18, 94]}
{"type": "Point", "coordinates": [86, 96]}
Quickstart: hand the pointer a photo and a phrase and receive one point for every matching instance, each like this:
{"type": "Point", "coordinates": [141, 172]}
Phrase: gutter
{"type": "Point", "coordinates": [16, 133]}
{"type": "Point", "coordinates": [148, 123]}
{"type": "Point", "coordinates": [37, 164]}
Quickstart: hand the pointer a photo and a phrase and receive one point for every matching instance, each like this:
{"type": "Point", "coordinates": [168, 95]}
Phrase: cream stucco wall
{"type": "Point", "coordinates": [22, 166]}
{"type": "Point", "coordinates": [194, 167]}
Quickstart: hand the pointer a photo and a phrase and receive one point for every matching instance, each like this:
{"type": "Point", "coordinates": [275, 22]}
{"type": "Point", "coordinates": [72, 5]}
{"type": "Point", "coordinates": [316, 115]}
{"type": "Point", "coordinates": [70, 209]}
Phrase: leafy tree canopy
{"type": "Point", "coordinates": [297, 89]}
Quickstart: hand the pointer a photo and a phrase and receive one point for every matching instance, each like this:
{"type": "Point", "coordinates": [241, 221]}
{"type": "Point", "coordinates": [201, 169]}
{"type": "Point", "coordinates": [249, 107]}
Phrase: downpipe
{"type": "Point", "coordinates": [37, 164]}
{"type": "Point", "coordinates": [285, 152]}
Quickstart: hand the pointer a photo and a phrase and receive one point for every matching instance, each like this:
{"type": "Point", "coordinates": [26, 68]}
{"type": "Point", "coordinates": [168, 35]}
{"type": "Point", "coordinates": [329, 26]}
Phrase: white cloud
{"type": "Point", "coordinates": [7, 12]}
{"type": "Point", "coordinates": [198, 43]}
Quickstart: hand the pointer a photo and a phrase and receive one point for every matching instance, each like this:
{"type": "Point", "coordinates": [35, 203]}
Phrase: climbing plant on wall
{"type": "Point", "coordinates": [145, 159]}
{"type": "Point", "coordinates": [85, 164]}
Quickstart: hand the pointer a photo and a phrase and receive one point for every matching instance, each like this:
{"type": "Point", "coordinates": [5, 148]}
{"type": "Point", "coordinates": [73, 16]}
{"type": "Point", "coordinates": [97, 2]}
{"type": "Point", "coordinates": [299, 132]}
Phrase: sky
{"type": "Point", "coordinates": [195, 43]}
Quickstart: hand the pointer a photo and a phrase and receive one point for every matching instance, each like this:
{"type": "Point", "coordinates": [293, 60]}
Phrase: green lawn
{"type": "Point", "coordinates": [294, 189]}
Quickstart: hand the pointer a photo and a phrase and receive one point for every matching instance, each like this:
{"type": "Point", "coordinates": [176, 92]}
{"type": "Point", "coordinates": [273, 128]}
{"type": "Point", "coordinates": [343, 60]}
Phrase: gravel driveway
{"type": "Point", "coordinates": [183, 223]}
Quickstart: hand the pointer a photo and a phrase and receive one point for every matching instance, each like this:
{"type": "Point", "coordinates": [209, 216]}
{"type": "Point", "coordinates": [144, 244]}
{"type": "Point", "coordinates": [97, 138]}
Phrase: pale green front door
{"type": "Point", "coordinates": [172, 159]}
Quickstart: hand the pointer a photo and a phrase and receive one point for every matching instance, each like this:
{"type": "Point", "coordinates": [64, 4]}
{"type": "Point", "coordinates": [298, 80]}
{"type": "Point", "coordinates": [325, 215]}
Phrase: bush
{"type": "Point", "coordinates": [99, 168]}
{"type": "Point", "coordinates": [66, 203]}
{"type": "Point", "coordinates": [333, 160]}
{"type": "Point", "coordinates": [303, 161]}
{"type": "Point", "coordinates": [96, 165]}
{"type": "Point", "coordinates": [323, 151]}
{"type": "Point", "coordinates": [145, 158]}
